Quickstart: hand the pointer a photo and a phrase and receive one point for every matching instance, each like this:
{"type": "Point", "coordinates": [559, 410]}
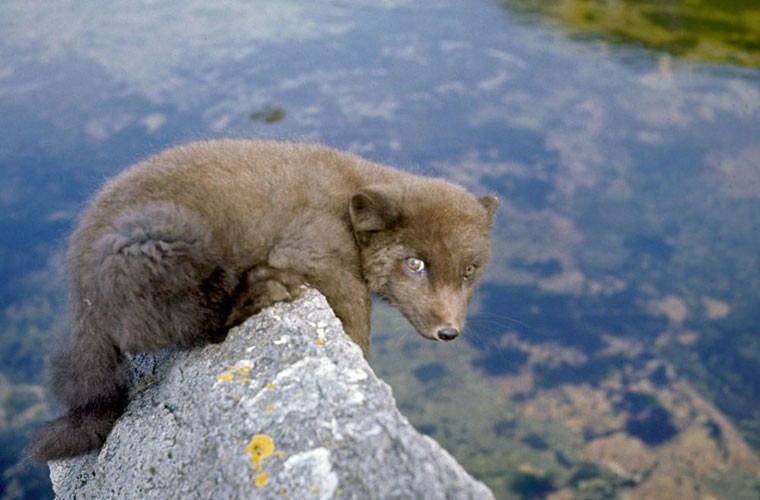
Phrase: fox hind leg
{"type": "Point", "coordinates": [160, 280]}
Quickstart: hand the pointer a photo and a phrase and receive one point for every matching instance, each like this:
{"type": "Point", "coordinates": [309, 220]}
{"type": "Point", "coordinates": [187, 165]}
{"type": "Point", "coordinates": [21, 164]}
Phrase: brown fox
{"type": "Point", "coordinates": [183, 246]}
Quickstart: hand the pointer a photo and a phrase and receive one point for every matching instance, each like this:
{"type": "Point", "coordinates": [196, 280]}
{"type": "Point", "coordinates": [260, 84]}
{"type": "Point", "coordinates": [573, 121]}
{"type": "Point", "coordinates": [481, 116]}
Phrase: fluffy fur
{"type": "Point", "coordinates": [183, 246]}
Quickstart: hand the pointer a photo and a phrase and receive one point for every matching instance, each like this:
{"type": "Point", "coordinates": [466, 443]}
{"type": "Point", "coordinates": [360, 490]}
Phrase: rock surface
{"type": "Point", "coordinates": [286, 407]}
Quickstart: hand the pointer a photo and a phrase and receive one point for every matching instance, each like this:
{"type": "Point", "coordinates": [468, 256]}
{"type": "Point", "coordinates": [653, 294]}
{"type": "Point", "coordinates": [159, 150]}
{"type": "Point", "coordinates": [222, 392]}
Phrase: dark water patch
{"type": "Point", "coordinates": [578, 322]}
{"type": "Point", "coordinates": [528, 485]}
{"type": "Point", "coordinates": [648, 420]}
{"type": "Point", "coordinates": [727, 366]}
{"type": "Point", "coordinates": [592, 372]}
{"type": "Point", "coordinates": [501, 361]}
{"type": "Point", "coordinates": [659, 377]}
{"type": "Point", "coordinates": [542, 317]}
{"type": "Point", "coordinates": [622, 314]}
{"type": "Point", "coordinates": [536, 442]}
{"type": "Point", "coordinates": [430, 372]}
{"type": "Point", "coordinates": [738, 406]}
{"type": "Point", "coordinates": [409, 349]}
{"type": "Point", "coordinates": [519, 398]}
{"type": "Point", "coordinates": [563, 459]}
{"type": "Point", "coordinates": [505, 428]}
{"type": "Point", "coordinates": [652, 426]}
{"type": "Point", "coordinates": [714, 430]}
{"type": "Point", "coordinates": [427, 429]}
{"type": "Point", "coordinates": [408, 407]}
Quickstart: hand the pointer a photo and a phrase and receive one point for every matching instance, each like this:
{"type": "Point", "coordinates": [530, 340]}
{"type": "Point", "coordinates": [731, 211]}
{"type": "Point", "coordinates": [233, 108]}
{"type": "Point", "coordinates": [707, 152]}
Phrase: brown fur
{"type": "Point", "coordinates": [190, 242]}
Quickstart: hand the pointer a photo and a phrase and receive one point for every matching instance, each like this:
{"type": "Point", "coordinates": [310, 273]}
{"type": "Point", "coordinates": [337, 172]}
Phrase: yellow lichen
{"type": "Point", "coordinates": [259, 447]}
{"type": "Point", "coordinates": [238, 372]}
{"type": "Point", "coordinates": [321, 341]}
{"type": "Point", "coordinates": [269, 408]}
{"type": "Point", "coordinates": [271, 386]}
{"type": "Point", "coordinates": [261, 480]}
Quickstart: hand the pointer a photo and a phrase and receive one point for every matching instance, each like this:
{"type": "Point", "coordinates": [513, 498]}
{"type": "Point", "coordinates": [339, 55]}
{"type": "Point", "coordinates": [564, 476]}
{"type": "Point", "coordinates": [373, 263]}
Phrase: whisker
{"type": "Point", "coordinates": [490, 333]}
{"type": "Point", "coordinates": [500, 317]}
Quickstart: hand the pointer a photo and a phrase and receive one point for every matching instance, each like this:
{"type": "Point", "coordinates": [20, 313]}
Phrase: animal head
{"type": "Point", "coordinates": [424, 247]}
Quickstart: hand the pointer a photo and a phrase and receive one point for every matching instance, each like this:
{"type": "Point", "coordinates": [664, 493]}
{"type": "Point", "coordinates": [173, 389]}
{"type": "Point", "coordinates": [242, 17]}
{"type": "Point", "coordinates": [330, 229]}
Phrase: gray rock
{"type": "Point", "coordinates": [289, 374]}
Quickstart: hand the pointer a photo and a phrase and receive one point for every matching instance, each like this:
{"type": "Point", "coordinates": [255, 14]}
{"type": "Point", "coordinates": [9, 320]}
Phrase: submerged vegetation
{"type": "Point", "coordinates": [713, 31]}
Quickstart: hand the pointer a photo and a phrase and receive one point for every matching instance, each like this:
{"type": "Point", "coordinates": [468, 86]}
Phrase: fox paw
{"type": "Point", "coordinates": [260, 287]}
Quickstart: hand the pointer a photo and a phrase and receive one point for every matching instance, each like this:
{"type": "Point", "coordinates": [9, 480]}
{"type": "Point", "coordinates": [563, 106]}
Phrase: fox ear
{"type": "Point", "coordinates": [490, 203]}
{"type": "Point", "coordinates": [373, 209]}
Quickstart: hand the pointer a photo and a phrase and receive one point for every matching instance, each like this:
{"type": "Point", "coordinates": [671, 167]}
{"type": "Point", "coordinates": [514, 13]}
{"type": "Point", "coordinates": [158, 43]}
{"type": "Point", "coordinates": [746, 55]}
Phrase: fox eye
{"type": "Point", "coordinates": [469, 271]}
{"type": "Point", "coordinates": [415, 265]}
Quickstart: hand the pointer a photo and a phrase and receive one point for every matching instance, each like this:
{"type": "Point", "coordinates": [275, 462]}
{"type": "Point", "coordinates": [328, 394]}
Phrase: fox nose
{"type": "Point", "coordinates": [447, 334]}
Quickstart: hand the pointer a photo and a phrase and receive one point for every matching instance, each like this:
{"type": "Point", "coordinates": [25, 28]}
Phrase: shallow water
{"type": "Point", "coordinates": [614, 344]}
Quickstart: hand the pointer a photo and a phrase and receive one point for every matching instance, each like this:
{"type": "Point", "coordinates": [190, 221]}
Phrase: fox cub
{"type": "Point", "coordinates": [189, 243]}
